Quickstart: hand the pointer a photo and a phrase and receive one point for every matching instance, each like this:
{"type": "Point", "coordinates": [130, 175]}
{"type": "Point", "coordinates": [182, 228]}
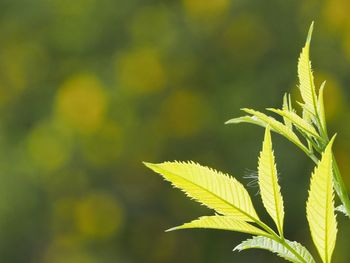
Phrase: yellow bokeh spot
{"type": "Point", "coordinates": [81, 103]}
{"type": "Point", "coordinates": [104, 146]}
{"type": "Point", "coordinates": [183, 113]}
{"type": "Point", "coordinates": [141, 71]}
{"type": "Point", "coordinates": [202, 9]}
{"type": "Point", "coordinates": [346, 44]}
{"type": "Point", "coordinates": [98, 216]}
{"type": "Point", "coordinates": [336, 14]}
{"type": "Point", "coordinates": [49, 146]}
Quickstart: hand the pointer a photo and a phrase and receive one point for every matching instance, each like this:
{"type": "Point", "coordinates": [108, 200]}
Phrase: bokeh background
{"type": "Point", "coordinates": [90, 88]}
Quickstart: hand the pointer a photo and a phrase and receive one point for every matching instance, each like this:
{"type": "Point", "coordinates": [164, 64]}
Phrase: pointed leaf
{"type": "Point", "coordinates": [214, 189]}
{"type": "Point", "coordinates": [268, 183]}
{"type": "Point", "coordinates": [286, 107]}
{"type": "Point", "coordinates": [298, 122]}
{"type": "Point", "coordinates": [278, 127]}
{"type": "Point", "coordinates": [320, 207]}
{"type": "Point", "coordinates": [320, 105]}
{"type": "Point", "coordinates": [278, 248]}
{"type": "Point", "coordinates": [223, 223]}
{"type": "Point", "coordinates": [306, 79]}
{"type": "Point", "coordinates": [246, 119]}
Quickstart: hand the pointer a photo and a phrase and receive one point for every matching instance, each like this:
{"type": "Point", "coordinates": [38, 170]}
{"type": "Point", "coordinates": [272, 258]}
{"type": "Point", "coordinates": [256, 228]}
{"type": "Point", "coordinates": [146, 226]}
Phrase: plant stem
{"type": "Point", "coordinates": [340, 186]}
{"type": "Point", "coordinates": [280, 239]}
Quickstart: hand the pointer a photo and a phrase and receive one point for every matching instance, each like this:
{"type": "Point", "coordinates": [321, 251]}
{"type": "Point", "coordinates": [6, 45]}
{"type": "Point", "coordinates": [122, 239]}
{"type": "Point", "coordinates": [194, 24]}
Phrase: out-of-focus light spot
{"type": "Point", "coordinates": [206, 9]}
{"type": "Point", "coordinates": [104, 146]}
{"type": "Point", "coordinates": [336, 13]}
{"type": "Point", "coordinates": [183, 113]}
{"type": "Point", "coordinates": [66, 7]}
{"type": "Point", "coordinates": [81, 103]}
{"type": "Point", "coordinates": [49, 146]}
{"type": "Point", "coordinates": [241, 36]}
{"type": "Point", "coordinates": [141, 71]}
{"type": "Point", "coordinates": [99, 216]}
{"type": "Point", "coordinates": [333, 95]}
{"type": "Point", "coordinates": [346, 43]}
{"type": "Point", "coordinates": [58, 253]}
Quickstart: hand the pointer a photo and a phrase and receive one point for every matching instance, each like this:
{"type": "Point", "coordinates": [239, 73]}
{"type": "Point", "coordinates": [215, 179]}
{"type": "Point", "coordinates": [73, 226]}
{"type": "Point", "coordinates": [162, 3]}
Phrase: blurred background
{"type": "Point", "coordinates": [90, 88]}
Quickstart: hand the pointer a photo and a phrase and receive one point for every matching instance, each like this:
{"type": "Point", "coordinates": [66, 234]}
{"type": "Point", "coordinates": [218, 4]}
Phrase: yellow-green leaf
{"type": "Point", "coordinates": [278, 127]}
{"type": "Point", "coordinates": [214, 189]}
{"type": "Point", "coordinates": [287, 107]}
{"type": "Point", "coordinates": [246, 119]}
{"type": "Point", "coordinates": [223, 223]}
{"type": "Point", "coordinates": [297, 121]}
{"type": "Point", "coordinates": [278, 248]}
{"type": "Point", "coordinates": [320, 105]}
{"type": "Point", "coordinates": [320, 207]}
{"type": "Point", "coordinates": [306, 79]}
{"type": "Point", "coordinates": [268, 182]}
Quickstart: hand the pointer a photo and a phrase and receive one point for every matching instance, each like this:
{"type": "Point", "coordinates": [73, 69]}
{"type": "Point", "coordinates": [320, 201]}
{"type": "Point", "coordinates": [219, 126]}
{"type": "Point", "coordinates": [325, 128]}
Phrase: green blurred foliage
{"type": "Point", "coordinates": [90, 88]}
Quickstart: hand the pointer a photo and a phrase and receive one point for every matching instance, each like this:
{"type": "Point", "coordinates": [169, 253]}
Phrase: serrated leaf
{"type": "Point", "coordinates": [297, 121]}
{"type": "Point", "coordinates": [223, 223]}
{"type": "Point", "coordinates": [342, 209]}
{"type": "Point", "coordinates": [246, 119]}
{"type": "Point", "coordinates": [306, 79]}
{"type": "Point", "coordinates": [320, 107]}
{"type": "Point", "coordinates": [214, 189]}
{"type": "Point", "coordinates": [268, 182]}
{"type": "Point", "coordinates": [278, 248]}
{"type": "Point", "coordinates": [278, 127]}
{"type": "Point", "coordinates": [320, 206]}
{"type": "Point", "coordinates": [286, 107]}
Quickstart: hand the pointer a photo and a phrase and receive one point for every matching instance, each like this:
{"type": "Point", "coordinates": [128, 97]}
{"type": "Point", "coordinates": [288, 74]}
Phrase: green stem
{"type": "Point", "coordinates": [280, 239]}
{"type": "Point", "coordinates": [340, 186]}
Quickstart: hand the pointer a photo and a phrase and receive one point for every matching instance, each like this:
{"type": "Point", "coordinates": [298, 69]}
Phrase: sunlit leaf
{"type": "Point", "coordinates": [297, 121]}
{"type": "Point", "coordinates": [268, 183]}
{"type": "Point", "coordinates": [287, 107]}
{"type": "Point", "coordinates": [320, 105]}
{"type": "Point", "coordinates": [320, 207]}
{"type": "Point", "coordinates": [277, 126]}
{"type": "Point", "coordinates": [223, 223]}
{"type": "Point", "coordinates": [278, 248]}
{"type": "Point", "coordinates": [306, 79]}
{"type": "Point", "coordinates": [214, 189]}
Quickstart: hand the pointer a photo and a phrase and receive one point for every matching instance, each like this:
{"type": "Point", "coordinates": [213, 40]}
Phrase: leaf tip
{"type": "Point", "coordinates": [309, 35]}
{"type": "Point", "coordinates": [172, 229]}
{"type": "Point", "coordinates": [149, 165]}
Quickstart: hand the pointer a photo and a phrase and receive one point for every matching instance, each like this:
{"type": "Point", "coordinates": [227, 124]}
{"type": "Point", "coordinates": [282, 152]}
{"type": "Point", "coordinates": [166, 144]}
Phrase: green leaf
{"type": "Point", "coordinates": [278, 127]}
{"type": "Point", "coordinates": [320, 107]}
{"type": "Point", "coordinates": [246, 119]}
{"type": "Point", "coordinates": [342, 209]}
{"type": "Point", "coordinates": [287, 107]}
{"type": "Point", "coordinates": [222, 223]}
{"type": "Point", "coordinates": [214, 189]}
{"type": "Point", "coordinates": [298, 122]}
{"type": "Point", "coordinates": [268, 182]}
{"type": "Point", "coordinates": [320, 206]}
{"type": "Point", "coordinates": [278, 248]}
{"type": "Point", "coordinates": [306, 79]}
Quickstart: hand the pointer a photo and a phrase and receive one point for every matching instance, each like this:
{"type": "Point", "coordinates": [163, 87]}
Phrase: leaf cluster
{"type": "Point", "coordinates": [231, 202]}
